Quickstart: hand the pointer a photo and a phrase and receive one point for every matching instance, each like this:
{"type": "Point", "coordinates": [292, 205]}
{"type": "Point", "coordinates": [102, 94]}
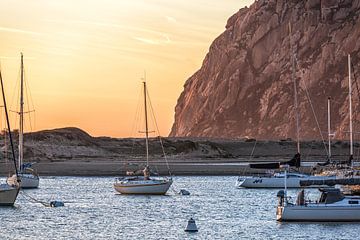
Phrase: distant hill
{"type": "Point", "coordinates": [73, 144]}
{"type": "Point", "coordinates": [244, 86]}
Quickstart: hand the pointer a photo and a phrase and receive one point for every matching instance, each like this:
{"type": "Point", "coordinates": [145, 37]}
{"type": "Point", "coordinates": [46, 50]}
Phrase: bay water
{"type": "Point", "coordinates": [93, 210]}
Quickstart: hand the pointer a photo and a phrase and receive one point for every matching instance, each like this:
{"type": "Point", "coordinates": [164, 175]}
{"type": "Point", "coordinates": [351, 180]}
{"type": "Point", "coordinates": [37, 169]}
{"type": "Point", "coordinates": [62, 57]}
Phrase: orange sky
{"type": "Point", "coordinates": [84, 59]}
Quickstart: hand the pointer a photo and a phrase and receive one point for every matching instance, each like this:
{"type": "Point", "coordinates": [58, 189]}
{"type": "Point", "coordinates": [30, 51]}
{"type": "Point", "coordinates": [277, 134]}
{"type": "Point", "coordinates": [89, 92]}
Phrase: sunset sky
{"type": "Point", "coordinates": [84, 59]}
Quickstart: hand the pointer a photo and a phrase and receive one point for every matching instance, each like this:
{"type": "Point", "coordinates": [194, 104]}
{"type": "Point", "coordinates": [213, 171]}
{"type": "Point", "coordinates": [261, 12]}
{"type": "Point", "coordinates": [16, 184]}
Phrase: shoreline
{"type": "Point", "coordinates": [113, 168]}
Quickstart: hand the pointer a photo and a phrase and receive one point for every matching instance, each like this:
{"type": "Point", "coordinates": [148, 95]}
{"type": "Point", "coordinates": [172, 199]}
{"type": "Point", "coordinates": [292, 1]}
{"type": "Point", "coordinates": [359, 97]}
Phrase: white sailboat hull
{"type": "Point", "coordinates": [275, 182]}
{"type": "Point", "coordinates": [143, 187]}
{"type": "Point", "coordinates": [318, 213]}
{"type": "Point", "coordinates": [8, 195]}
{"type": "Point", "coordinates": [28, 180]}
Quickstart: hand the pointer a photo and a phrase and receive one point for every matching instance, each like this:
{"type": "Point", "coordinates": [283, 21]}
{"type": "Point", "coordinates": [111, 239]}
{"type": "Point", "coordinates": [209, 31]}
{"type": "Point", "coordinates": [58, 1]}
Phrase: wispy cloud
{"type": "Point", "coordinates": [164, 40]}
{"type": "Point", "coordinates": [80, 22]}
{"type": "Point", "coordinates": [167, 38]}
{"type": "Point", "coordinates": [170, 19]}
{"type": "Point", "coordinates": [147, 41]}
{"type": "Point", "coordinates": [106, 24]}
{"type": "Point", "coordinates": [16, 30]}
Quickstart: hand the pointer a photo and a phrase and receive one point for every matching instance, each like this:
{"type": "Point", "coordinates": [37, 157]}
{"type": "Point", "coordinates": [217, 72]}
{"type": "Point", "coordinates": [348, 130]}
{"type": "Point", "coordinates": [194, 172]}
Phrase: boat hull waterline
{"type": "Point", "coordinates": [149, 187]}
{"type": "Point", "coordinates": [319, 213]}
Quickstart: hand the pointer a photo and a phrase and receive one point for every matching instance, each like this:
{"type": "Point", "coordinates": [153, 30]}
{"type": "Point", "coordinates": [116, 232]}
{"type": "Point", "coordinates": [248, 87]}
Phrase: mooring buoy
{"type": "Point", "coordinates": [56, 204]}
{"type": "Point", "coordinates": [184, 192]}
{"type": "Point", "coordinates": [191, 226]}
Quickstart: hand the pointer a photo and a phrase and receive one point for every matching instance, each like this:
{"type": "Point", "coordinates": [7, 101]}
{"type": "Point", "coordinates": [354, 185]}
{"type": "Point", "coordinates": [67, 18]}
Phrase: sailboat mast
{"type": "Point", "coordinates": [297, 117]}
{"type": "Point", "coordinates": [350, 109]}
{"type": "Point", "coordinates": [146, 125]}
{"type": "Point", "coordinates": [21, 113]}
{"type": "Point", "coordinates": [329, 133]}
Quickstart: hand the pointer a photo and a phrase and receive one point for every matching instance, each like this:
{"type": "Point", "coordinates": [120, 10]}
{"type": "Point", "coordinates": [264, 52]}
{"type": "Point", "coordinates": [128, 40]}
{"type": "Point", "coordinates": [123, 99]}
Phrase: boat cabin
{"type": "Point", "coordinates": [330, 195]}
{"type": "Point", "coordinates": [289, 175]}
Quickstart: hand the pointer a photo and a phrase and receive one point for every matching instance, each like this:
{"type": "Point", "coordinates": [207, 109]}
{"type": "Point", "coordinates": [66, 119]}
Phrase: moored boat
{"type": "Point", "coordinates": [332, 206]}
{"type": "Point", "coordinates": [27, 176]}
{"type": "Point", "coordinates": [28, 180]}
{"type": "Point", "coordinates": [144, 184]}
{"type": "Point", "coordinates": [139, 185]}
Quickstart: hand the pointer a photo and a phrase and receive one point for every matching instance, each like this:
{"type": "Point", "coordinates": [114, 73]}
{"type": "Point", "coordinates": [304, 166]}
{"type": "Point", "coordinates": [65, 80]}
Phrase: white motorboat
{"type": "Point", "coordinates": [28, 177]}
{"type": "Point", "coordinates": [332, 206]}
{"type": "Point", "coordinates": [144, 184]}
{"type": "Point", "coordinates": [8, 194]}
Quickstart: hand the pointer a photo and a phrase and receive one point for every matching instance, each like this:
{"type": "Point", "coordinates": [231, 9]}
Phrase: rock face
{"type": "Point", "coordinates": [245, 88]}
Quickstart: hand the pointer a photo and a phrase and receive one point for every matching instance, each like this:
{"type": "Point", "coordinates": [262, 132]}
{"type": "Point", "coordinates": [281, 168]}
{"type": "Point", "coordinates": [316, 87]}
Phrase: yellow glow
{"type": "Point", "coordinates": [84, 59]}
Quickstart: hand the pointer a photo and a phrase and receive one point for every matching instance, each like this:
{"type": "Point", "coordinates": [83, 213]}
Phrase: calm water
{"type": "Point", "coordinates": [93, 211]}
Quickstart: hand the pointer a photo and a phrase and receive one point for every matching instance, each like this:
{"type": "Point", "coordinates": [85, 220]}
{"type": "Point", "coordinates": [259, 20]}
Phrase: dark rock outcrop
{"type": "Point", "coordinates": [244, 87]}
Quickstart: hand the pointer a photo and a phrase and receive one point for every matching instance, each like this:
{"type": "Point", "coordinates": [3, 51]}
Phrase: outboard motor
{"type": "Point", "coordinates": [279, 209]}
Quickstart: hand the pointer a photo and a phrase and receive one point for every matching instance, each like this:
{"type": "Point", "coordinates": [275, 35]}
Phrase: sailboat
{"type": "Point", "coordinates": [277, 180]}
{"type": "Point", "coordinates": [344, 168]}
{"type": "Point", "coordinates": [29, 178]}
{"type": "Point", "coordinates": [143, 184]}
{"type": "Point", "coordinates": [8, 194]}
{"type": "Point", "coordinates": [331, 206]}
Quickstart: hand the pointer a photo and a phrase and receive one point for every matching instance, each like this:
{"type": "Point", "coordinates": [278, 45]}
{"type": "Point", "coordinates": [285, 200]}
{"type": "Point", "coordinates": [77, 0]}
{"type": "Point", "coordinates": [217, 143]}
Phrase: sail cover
{"type": "Point", "coordinates": [331, 182]}
{"type": "Point", "coordinates": [294, 162]}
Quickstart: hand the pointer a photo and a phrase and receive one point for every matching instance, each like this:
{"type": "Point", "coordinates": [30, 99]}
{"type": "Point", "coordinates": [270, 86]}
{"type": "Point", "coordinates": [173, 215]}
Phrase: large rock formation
{"type": "Point", "coordinates": [244, 87]}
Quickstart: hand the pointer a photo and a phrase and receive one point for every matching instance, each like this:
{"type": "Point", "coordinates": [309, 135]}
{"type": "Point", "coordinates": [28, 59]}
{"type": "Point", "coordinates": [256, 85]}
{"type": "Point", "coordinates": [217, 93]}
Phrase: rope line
{"type": "Point", "coordinates": [157, 129]}
{"type": "Point", "coordinates": [34, 200]}
{"type": "Point", "coordinates": [313, 111]}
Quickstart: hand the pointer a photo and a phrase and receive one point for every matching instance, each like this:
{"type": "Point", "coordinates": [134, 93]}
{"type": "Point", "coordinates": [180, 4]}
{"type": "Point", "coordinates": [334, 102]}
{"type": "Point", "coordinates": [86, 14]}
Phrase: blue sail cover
{"type": "Point", "coordinates": [294, 162]}
{"type": "Point", "coordinates": [26, 165]}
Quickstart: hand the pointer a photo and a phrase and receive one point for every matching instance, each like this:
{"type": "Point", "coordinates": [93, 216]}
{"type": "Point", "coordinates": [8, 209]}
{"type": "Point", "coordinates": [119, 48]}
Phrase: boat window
{"type": "Point", "coordinates": [353, 202]}
{"type": "Point", "coordinates": [292, 176]}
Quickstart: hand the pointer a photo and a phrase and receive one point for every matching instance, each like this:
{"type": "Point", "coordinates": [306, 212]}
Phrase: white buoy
{"type": "Point", "coordinates": [191, 226]}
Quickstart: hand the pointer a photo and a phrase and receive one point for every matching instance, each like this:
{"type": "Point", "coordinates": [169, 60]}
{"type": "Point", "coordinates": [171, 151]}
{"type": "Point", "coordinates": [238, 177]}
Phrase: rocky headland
{"type": "Point", "coordinates": [244, 86]}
